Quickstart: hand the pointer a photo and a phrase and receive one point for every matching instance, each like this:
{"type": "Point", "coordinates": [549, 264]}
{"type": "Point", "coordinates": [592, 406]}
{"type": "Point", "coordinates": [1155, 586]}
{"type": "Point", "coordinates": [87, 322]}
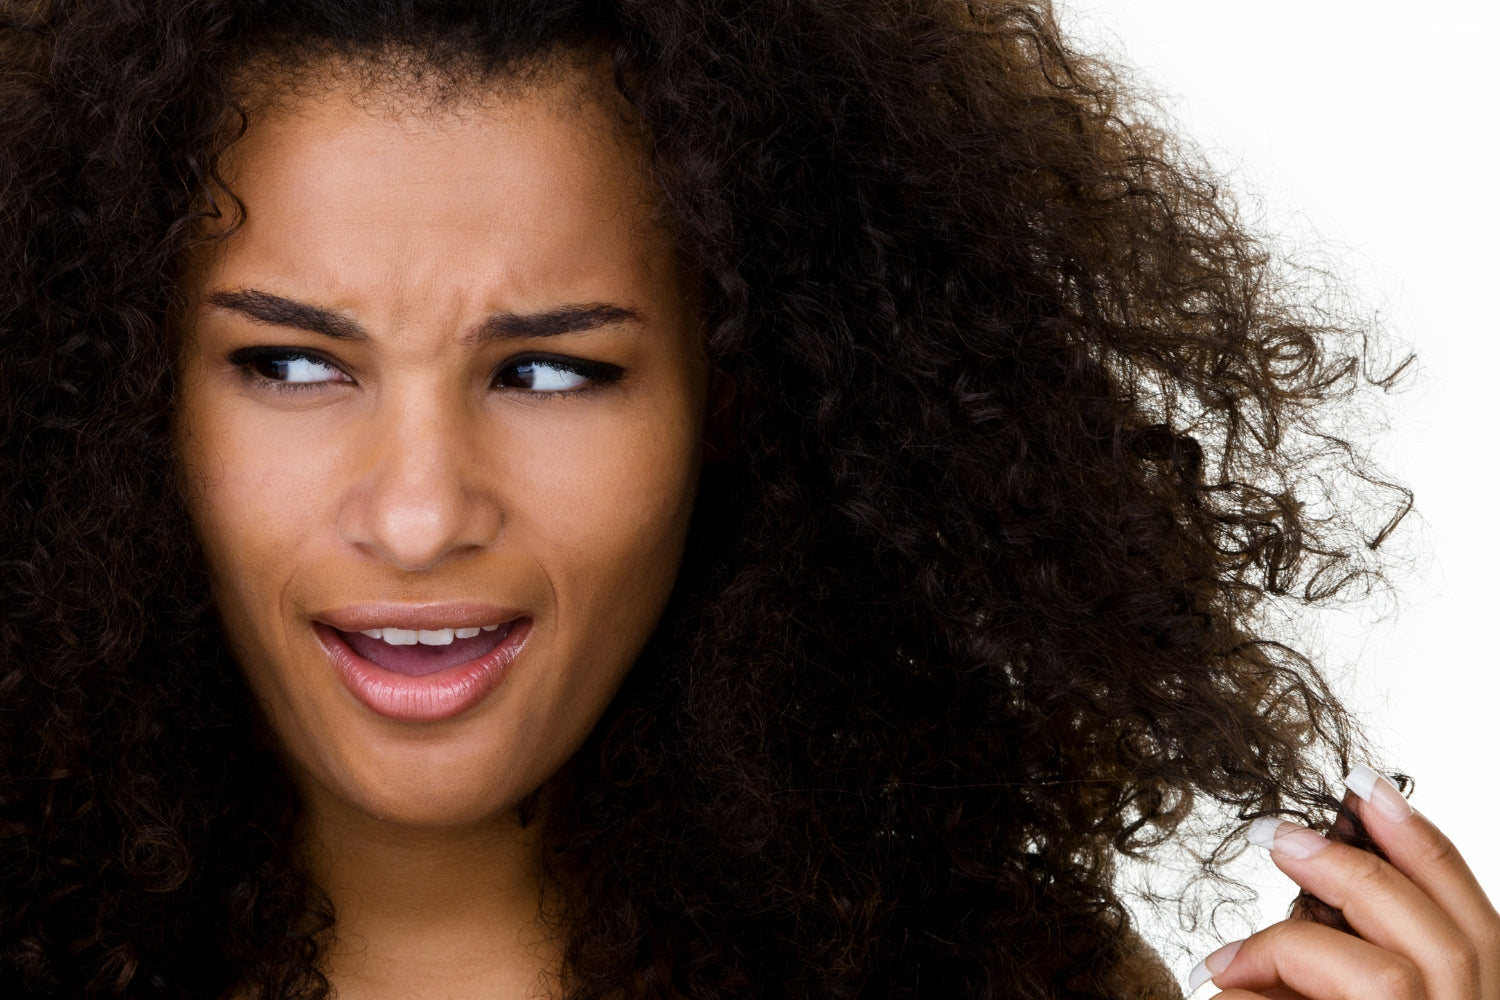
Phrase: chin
{"type": "Point", "coordinates": [421, 798]}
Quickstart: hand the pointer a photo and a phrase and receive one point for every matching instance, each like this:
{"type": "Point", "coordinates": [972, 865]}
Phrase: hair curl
{"type": "Point", "coordinates": [1027, 428]}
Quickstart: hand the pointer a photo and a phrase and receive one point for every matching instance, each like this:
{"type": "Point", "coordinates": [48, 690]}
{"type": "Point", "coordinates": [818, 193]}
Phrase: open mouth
{"type": "Point", "coordinates": [419, 653]}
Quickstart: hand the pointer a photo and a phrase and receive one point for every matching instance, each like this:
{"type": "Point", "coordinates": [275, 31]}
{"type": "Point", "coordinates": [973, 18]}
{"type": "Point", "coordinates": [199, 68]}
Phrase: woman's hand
{"type": "Point", "coordinates": [1426, 929]}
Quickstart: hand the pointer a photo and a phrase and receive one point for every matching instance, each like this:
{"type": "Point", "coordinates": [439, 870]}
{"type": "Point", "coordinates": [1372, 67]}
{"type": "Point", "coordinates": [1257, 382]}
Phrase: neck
{"type": "Point", "coordinates": [451, 912]}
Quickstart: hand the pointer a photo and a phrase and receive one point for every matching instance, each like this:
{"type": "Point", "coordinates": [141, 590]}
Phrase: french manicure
{"type": "Point", "coordinates": [1376, 789]}
{"type": "Point", "coordinates": [1213, 965]}
{"type": "Point", "coordinates": [1287, 839]}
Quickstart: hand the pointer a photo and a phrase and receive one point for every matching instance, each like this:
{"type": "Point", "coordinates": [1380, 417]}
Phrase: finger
{"type": "Point", "coordinates": [1271, 993]}
{"type": "Point", "coordinates": [1309, 907]}
{"type": "Point", "coordinates": [1311, 960]}
{"type": "Point", "coordinates": [1381, 904]}
{"type": "Point", "coordinates": [1420, 851]}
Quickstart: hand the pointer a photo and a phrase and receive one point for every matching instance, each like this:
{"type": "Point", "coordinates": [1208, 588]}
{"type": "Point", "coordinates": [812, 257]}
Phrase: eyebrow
{"type": "Point", "coordinates": [274, 310]}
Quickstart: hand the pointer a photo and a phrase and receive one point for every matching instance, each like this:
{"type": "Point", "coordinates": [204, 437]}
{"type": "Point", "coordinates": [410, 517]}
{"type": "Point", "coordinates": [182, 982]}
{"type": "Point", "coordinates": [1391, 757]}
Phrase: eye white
{"type": "Point", "coordinates": [542, 377]}
{"type": "Point", "coordinates": [306, 370]}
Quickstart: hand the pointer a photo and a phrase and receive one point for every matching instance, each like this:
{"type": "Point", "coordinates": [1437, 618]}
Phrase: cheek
{"type": "Point", "coordinates": [614, 514]}
{"type": "Point", "coordinates": [248, 507]}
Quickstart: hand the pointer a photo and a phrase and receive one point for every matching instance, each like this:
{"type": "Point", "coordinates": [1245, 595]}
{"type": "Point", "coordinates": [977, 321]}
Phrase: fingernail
{"type": "Point", "coordinates": [1213, 965]}
{"type": "Point", "coordinates": [1376, 789]}
{"type": "Point", "coordinates": [1286, 839]}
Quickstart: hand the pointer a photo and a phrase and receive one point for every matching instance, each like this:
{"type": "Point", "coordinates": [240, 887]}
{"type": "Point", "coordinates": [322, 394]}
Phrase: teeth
{"type": "Point", "coordinates": [435, 637]}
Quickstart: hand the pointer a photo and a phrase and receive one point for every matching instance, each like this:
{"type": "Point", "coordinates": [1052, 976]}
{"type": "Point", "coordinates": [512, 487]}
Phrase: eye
{"type": "Point", "coordinates": [286, 366]}
{"type": "Point", "coordinates": [549, 374]}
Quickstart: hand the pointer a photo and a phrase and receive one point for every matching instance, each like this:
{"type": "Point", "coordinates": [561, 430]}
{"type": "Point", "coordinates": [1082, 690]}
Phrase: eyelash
{"type": "Point", "coordinates": [597, 373]}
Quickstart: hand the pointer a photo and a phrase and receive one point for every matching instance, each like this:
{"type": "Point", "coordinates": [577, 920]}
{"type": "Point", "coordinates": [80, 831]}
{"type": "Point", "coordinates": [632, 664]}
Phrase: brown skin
{"type": "Point", "coordinates": [1423, 927]}
{"type": "Point", "coordinates": [406, 473]}
{"type": "Point", "coordinates": [402, 471]}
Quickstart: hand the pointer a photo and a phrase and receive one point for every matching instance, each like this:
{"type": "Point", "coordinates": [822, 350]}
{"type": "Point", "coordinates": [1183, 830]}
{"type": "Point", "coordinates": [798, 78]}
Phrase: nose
{"type": "Point", "coordinates": [422, 495]}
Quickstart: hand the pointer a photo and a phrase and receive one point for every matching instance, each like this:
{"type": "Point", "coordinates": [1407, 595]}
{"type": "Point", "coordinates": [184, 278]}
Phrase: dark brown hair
{"type": "Point", "coordinates": [1027, 429]}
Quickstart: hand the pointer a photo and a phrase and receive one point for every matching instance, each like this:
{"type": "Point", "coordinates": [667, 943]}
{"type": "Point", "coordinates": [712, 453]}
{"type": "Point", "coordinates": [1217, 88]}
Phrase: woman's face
{"type": "Point", "coordinates": [441, 420]}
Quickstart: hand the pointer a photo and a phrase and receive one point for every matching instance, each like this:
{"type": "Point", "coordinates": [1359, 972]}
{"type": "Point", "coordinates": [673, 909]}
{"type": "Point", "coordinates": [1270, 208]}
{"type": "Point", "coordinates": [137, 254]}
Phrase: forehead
{"type": "Point", "coordinates": [517, 184]}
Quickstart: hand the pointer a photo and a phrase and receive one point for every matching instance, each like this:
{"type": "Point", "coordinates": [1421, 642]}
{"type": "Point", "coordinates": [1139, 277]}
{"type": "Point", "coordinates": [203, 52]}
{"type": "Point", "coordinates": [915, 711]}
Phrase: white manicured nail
{"type": "Point", "coordinates": [1378, 790]}
{"type": "Point", "coordinates": [1262, 832]}
{"type": "Point", "coordinates": [1287, 839]}
{"type": "Point", "coordinates": [1213, 965]}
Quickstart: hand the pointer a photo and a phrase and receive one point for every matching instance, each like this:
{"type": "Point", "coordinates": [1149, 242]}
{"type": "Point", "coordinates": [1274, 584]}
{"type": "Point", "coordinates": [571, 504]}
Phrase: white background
{"type": "Point", "coordinates": [1368, 127]}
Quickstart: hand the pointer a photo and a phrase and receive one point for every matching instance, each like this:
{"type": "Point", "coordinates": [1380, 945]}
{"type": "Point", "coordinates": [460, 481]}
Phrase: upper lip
{"type": "Point", "coordinates": [431, 617]}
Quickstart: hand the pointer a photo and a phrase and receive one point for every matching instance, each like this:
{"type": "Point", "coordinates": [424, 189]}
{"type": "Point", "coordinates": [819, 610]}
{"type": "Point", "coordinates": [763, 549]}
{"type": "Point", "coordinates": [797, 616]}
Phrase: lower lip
{"type": "Point", "coordinates": [430, 698]}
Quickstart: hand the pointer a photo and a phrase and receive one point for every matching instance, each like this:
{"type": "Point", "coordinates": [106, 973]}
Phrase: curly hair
{"type": "Point", "coordinates": [1029, 430]}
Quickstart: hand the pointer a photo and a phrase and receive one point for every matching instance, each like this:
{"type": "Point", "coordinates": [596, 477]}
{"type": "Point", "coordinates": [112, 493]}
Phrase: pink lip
{"type": "Point", "coordinates": [429, 698]}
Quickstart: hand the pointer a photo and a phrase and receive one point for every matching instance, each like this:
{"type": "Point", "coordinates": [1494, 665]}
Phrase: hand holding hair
{"type": "Point", "coordinates": [1417, 925]}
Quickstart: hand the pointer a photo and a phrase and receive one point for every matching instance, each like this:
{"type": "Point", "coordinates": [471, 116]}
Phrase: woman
{"type": "Point", "coordinates": [652, 500]}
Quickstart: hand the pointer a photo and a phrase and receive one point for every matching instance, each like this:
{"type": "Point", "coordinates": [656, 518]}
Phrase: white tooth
{"type": "Point", "coordinates": [490, 628]}
{"type": "Point", "coordinates": [440, 637]}
{"type": "Point", "coordinates": [373, 633]}
{"type": "Point", "coordinates": [467, 633]}
{"type": "Point", "coordinates": [399, 636]}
